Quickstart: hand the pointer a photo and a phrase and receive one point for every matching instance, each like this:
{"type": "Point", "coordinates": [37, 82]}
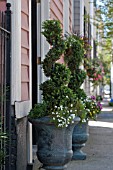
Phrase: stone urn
{"type": "Point", "coordinates": [79, 138]}
{"type": "Point", "coordinates": [54, 145]}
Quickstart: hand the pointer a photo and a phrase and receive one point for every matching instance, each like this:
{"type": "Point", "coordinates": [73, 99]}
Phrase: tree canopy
{"type": "Point", "coordinates": [104, 23]}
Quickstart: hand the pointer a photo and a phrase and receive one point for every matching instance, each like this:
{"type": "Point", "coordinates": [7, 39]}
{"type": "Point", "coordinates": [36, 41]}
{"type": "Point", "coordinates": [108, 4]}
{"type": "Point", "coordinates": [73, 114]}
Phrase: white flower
{"type": "Point", "coordinates": [69, 117]}
{"type": "Point", "coordinates": [66, 96]}
{"type": "Point", "coordinates": [59, 120]}
{"type": "Point", "coordinates": [70, 110]}
{"type": "Point", "coordinates": [59, 125]}
{"type": "Point", "coordinates": [64, 119]}
{"type": "Point", "coordinates": [61, 107]}
{"type": "Point", "coordinates": [83, 120]}
{"type": "Point", "coordinates": [53, 113]}
{"type": "Point", "coordinates": [73, 116]}
{"type": "Point", "coordinates": [55, 106]}
{"type": "Point", "coordinates": [71, 105]}
{"type": "Point", "coordinates": [53, 118]}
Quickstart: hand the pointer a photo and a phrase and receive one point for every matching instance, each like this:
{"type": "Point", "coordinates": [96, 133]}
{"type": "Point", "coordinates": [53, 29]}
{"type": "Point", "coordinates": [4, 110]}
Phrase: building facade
{"type": "Point", "coordinates": [83, 25]}
{"type": "Point", "coordinates": [20, 83]}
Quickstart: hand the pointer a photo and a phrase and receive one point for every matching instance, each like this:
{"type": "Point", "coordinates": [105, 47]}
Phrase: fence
{"type": "Point", "coordinates": [5, 106]}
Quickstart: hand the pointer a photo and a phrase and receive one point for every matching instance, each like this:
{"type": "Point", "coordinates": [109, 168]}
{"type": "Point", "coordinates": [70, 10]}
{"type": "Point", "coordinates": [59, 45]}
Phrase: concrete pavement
{"type": "Point", "coordinates": [99, 147]}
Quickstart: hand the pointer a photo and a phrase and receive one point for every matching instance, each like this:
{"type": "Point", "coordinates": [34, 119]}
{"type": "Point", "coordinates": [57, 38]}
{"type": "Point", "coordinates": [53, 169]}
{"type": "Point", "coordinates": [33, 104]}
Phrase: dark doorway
{"type": "Point", "coordinates": [34, 51]}
{"type": "Point", "coordinates": [34, 56]}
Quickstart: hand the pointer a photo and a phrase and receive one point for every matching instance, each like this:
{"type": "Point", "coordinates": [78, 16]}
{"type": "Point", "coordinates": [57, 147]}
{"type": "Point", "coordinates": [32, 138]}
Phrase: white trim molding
{"type": "Point", "coordinates": [82, 17]}
{"type": "Point", "coordinates": [38, 51]}
{"type": "Point", "coordinates": [30, 57]}
{"type": "Point", "coordinates": [22, 108]}
{"type": "Point", "coordinates": [91, 13]}
{"type": "Point", "coordinates": [66, 16]}
{"type": "Point", "coordinates": [45, 15]}
{"type": "Point", "coordinates": [29, 103]}
{"type": "Point", "coordinates": [16, 51]}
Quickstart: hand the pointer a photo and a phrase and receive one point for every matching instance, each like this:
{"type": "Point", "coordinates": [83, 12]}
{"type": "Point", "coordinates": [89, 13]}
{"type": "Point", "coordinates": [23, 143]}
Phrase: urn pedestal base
{"type": "Point", "coordinates": [79, 138]}
{"type": "Point", "coordinates": [54, 145]}
{"type": "Point", "coordinates": [79, 154]}
{"type": "Point", "coordinates": [55, 167]}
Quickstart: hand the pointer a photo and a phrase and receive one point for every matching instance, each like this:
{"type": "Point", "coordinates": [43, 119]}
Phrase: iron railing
{"type": "Point", "coordinates": [5, 106]}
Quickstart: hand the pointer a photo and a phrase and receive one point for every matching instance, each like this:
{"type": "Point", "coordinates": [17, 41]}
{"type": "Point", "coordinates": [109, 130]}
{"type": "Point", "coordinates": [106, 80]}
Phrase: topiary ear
{"type": "Point", "coordinates": [52, 30]}
{"type": "Point", "coordinates": [74, 53]}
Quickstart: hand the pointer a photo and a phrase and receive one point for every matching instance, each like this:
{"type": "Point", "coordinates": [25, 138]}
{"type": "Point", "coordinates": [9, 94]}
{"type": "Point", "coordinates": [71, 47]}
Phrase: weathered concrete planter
{"type": "Point", "coordinates": [79, 138]}
{"type": "Point", "coordinates": [54, 145]}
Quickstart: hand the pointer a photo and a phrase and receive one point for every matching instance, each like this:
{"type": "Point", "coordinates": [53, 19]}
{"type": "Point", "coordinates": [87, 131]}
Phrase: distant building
{"type": "Point", "coordinates": [83, 25]}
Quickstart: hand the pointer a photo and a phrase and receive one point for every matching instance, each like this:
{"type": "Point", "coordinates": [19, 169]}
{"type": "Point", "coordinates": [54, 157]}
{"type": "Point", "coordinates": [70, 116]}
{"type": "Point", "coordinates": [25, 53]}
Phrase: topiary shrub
{"type": "Point", "coordinates": [59, 100]}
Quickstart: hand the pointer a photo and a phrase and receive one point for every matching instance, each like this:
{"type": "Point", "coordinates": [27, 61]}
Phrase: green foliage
{"type": "Point", "coordinates": [99, 98]}
{"type": "Point", "coordinates": [95, 70]}
{"type": "Point", "coordinates": [77, 50]}
{"type": "Point", "coordinates": [59, 101]}
{"type": "Point", "coordinates": [60, 74]}
{"type": "Point", "coordinates": [105, 57]}
{"type": "Point", "coordinates": [62, 94]}
{"type": "Point", "coordinates": [39, 110]}
{"type": "Point", "coordinates": [104, 19]}
{"type": "Point", "coordinates": [104, 15]}
{"type": "Point", "coordinates": [87, 47]}
{"type": "Point", "coordinates": [74, 53]}
{"type": "Point", "coordinates": [80, 93]}
{"type": "Point", "coordinates": [3, 138]}
{"type": "Point", "coordinates": [53, 33]}
{"type": "Point", "coordinates": [3, 135]}
{"type": "Point", "coordinates": [57, 95]}
{"type": "Point", "coordinates": [53, 55]}
{"type": "Point", "coordinates": [110, 103]}
{"type": "Point", "coordinates": [80, 108]}
{"type": "Point", "coordinates": [92, 107]}
{"type": "Point", "coordinates": [77, 79]}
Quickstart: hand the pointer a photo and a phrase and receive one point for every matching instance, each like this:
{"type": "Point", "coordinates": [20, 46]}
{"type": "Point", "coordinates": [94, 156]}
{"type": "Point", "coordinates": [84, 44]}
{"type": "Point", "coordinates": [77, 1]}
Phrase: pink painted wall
{"type": "Point", "coordinates": [3, 5]}
{"type": "Point", "coordinates": [25, 50]}
{"type": "Point", "coordinates": [70, 15]}
{"type": "Point", "coordinates": [56, 10]}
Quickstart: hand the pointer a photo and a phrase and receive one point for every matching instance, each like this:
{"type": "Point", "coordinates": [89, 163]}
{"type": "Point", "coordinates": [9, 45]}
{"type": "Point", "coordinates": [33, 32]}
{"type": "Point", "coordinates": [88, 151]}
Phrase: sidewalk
{"type": "Point", "coordinates": [99, 147]}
